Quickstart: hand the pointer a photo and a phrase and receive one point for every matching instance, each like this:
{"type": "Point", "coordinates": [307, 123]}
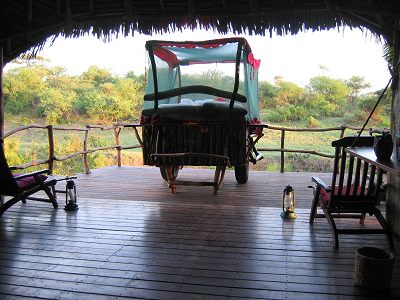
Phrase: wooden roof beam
{"type": "Point", "coordinates": [255, 8]}
{"type": "Point", "coordinates": [128, 7]}
{"type": "Point", "coordinates": [225, 4]}
{"type": "Point", "coordinates": [58, 9]}
{"type": "Point", "coordinates": [192, 8]}
{"type": "Point", "coordinates": [373, 26]}
{"type": "Point", "coordinates": [381, 20]}
{"type": "Point", "coordinates": [29, 17]}
{"type": "Point", "coordinates": [366, 20]}
{"type": "Point", "coordinates": [330, 4]}
{"type": "Point", "coordinates": [29, 13]}
{"type": "Point", "coordinates": [91, 7]}
{"type": "Point", "coordinates": [369, 11]}
{"type": "Point", "coordinates": [67, 14]}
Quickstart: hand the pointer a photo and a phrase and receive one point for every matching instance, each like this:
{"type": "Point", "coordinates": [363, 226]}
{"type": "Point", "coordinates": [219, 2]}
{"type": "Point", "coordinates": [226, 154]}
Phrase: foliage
{"type": "Point", "coordinates": [328, 93]}
{"type": "Point", "coordinates": [96, 94]}
{"type": "Point", "coordinates": [288, 113]}
{"type": "Point", "coordinates": [289, 93]}
{"type": "Point", "coordinates": [96, 76]}
{"type": "Point", "coordinates": [306, 163]}
{"type": "Point", "coordinates": [312, 122]}
{"type": "Point", "coordinates": [356, 84]}
{"type": "Point", "coordinates": [12, 150]}
{"type": "Point", "coordinates": [388, 54]}
{"type": "Point", "coordinates": [56, 104]}
{"type": "Point", "coordinates": [23, 88]}
{"type": "Point", "coordinates": [268, 94]}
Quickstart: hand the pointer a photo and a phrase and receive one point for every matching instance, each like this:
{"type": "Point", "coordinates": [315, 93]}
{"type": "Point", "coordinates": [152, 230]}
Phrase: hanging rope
{"type": "Point", "coordinates": [377, 103]}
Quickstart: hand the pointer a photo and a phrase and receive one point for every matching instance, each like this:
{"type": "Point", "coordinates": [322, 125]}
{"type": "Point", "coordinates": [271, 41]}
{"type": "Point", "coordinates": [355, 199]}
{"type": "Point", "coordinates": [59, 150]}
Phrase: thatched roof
{"type": "Point", "coordinates": [28, 23]}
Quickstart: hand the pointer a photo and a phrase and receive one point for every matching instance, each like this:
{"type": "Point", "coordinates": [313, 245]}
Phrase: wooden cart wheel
{"type": "Point", "coordinates": [242, 173]}
{"type": "Point", "coordinates": [163, 171]}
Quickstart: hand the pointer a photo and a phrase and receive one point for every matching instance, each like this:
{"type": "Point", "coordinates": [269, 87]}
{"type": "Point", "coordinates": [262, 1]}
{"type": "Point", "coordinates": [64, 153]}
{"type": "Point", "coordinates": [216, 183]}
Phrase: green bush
{"type": "Point", "coordinates": [288, 113]}
{"type": "Point", "coordinates": [312, 122]}
{"type": "Point", "coordinates": [56, 104]}
{"type": "Point", "coordinates": [12, 151]}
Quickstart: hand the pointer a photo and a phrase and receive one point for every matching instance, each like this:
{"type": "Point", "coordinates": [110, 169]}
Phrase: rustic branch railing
{"type": "Point", "coordinates": [118, 140]}
{"type": "Point", "coordinates": [283, 130]}
{"type": "Point", "coordinates": [85, 151]}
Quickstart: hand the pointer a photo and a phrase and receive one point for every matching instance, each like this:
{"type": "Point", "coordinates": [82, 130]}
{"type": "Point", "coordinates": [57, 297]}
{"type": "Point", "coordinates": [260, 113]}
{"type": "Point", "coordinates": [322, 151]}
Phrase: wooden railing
{"type": "Point", "coordinates": [85, 149]}
{"type": "Point", "coordinates": [282, 148]}
{"type": "Point", "coordinates": [52, 157]}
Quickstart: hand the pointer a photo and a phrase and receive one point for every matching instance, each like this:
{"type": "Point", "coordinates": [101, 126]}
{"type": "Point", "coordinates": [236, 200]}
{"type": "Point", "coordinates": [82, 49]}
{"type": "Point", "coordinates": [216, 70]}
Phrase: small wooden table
{"type": "Point", "coordinates": [367, 154]}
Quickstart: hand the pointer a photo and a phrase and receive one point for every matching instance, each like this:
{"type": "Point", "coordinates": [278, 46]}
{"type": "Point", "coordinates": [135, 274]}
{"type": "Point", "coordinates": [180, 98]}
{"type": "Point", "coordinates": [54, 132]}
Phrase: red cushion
{"type": "Point", "coordinates": [326, 196]}
{"type": "Point", "coordinates": [29, 181]}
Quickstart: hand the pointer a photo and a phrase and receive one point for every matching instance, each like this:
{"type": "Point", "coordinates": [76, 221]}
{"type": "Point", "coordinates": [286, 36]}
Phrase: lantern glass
{"type": "Point", "coordinates": [70, 196]}
{"type": "Point", "coordinates": [288, 203]}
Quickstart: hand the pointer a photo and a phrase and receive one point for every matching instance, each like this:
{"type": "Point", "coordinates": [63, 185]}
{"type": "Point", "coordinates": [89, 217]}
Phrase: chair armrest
{"type": "Point", "coordinates": [44, 171]}
{"type": "Point", "coordinates": [320, 183]}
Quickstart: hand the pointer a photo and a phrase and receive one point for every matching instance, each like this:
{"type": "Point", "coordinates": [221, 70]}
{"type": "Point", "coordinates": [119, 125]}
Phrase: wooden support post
{"type": "Point", "coordinates": [342, 130]}
{"type": "Point", "coordinates": [1, 104]}
{"type": "Point", "coordinates": [1, 95]}
{"type": "Point", "coordinates": [282, 152]}
{"type": "Point", "coordinates": [117, 135]}
{"type": "Point", "coordinates": [50, 134]}
{"type": "Point", "coordinates": [85, 149]}
{"type": "Point", "coordinates": [138, 137]}
{"type": "Point", "coordinates": [393, 191]}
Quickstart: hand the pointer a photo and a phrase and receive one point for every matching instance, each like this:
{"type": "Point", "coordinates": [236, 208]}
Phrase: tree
{"type": "Point", "coordinates": [356, 84]}
{"type": "Point", "coordinates": [56, 104]}
{"type": "Point", "coordinates": [23, 88]}
{"type": "Point", "coordinates": [328, 94]}
{"type": "Point", "coordinates": [288, 93]}
{"type": "Point", "coordinates": [267, 93]}
{"type": "Point", "coordinates": [97, 76]}
{"type": "Point", "coordinates": [138, 79]}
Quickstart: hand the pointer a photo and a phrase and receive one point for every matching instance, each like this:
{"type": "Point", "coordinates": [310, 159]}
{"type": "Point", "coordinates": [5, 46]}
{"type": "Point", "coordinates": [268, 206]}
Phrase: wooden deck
{"type": "Point", "coordinates": [132, 238]}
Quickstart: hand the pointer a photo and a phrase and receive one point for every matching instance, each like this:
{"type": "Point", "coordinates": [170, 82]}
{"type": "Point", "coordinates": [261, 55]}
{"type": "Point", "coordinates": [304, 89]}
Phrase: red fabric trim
{"type": "Point", "coordinates": [255, 130]}
{"type": "Point", "coordinates": [253, 61]}
{"type": "Point", "coordinates": [172, 60]}
{"type": "Point", "coordinates": [326, 196]}
{"type": "Point", "coordinates": [29, 181]}
{"type": "Point", "coordinates": [167, 56]}
{"type": "Point", "coordinates": [204, 44]}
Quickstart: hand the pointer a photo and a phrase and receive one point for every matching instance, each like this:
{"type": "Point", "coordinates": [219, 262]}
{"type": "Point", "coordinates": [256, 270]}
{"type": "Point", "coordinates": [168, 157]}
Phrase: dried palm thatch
{"type": "Point", "coordinates": [27, 24]}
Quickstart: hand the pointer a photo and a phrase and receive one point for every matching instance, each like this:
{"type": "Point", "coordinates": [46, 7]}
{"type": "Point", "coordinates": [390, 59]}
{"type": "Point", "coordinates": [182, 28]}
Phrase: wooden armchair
{"type": "Point", "coordinates": [353, 192]}
{"type": "Point", "coordinates": [19, 187]}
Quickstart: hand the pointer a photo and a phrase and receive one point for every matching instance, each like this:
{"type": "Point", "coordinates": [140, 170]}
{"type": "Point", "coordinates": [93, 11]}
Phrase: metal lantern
{"type": "Point", "coordinates": [70, 196]}
{"type": "Point", "coordinates": [288, 203]}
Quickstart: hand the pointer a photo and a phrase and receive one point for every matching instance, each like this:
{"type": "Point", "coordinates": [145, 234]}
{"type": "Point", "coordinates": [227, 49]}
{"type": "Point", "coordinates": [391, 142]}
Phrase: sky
{"type": "Point", "coordinates": [343, 53]}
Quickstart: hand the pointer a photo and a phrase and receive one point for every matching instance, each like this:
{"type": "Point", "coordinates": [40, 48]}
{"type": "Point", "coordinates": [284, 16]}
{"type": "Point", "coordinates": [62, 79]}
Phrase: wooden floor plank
{"type": "Point", "coordinates": [131, 238]}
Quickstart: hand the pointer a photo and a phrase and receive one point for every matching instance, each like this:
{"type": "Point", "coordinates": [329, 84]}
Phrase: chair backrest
{"type": "Point", "coordinates": [355, 183]}
{"type": "Point", "coordinates": [8, 185]}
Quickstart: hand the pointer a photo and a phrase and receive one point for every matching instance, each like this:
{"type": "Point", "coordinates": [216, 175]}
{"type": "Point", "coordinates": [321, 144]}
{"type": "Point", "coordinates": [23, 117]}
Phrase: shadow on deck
{"type": "Point", "coordinates": [132, 238]}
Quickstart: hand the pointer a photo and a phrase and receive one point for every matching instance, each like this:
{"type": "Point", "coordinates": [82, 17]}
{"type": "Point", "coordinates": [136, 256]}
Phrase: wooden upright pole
{"type": "Point", "coordinates": [1, 105]}
{"type": "Point", "coordinates": [393, 193]}
{"type": "Point", "coordinates": [1, 95]}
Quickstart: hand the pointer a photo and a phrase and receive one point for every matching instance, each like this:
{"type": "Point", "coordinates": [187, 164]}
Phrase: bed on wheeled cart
{"type": "Point", "coordinates": [193, 123]}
